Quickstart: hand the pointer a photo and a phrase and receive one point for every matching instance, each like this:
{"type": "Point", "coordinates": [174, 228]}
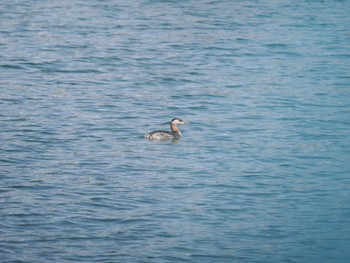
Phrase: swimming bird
{"type": "Point", "coordinates": [174, 134]}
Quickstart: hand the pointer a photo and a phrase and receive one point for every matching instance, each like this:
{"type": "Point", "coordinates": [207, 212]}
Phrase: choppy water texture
{"type": "Point", "coordinates": [261, 175]}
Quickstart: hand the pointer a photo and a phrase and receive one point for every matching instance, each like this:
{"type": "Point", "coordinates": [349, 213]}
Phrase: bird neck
{"type": "Point", "coordinates": [174, 128]}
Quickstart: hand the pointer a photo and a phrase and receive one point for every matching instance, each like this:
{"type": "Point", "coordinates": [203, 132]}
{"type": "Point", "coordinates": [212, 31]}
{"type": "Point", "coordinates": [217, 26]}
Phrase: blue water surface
{"type": "Point", "coordinates": [262, 173]}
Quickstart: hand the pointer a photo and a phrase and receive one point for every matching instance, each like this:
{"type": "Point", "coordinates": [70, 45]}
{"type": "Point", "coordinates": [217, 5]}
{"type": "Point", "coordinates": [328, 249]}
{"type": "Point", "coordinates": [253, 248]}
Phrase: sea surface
{"type": "Point", "coordinates": [262, 173]}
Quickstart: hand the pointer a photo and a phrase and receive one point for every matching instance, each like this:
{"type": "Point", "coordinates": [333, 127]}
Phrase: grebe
{"type": "Point", "coordinates": [174, 134]}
